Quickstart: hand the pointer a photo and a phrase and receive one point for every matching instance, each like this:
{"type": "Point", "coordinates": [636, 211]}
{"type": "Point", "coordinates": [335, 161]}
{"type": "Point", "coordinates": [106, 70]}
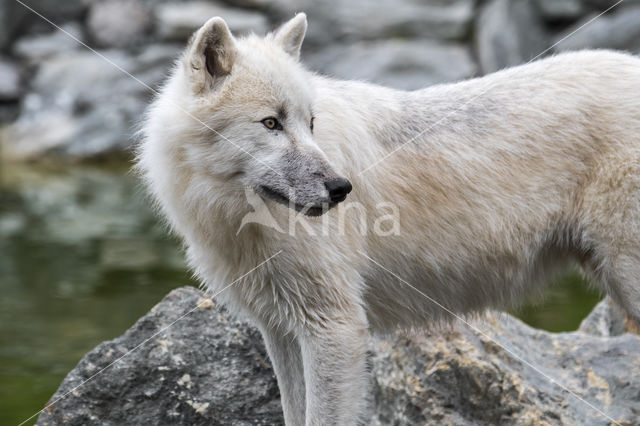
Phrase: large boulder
{"type": "Point", "coordinates": [498, 370]}
{"type": "Point", "coordinates": [36, 48]}
{"type": "Point", "coordinates": [17, 18]}
{"type": "Point", "coordinates": [10, 80]}
{"type": "Point", "coordinates": [555, 10]}
{"type": "Point", "coordinates": [400, 64]}
{"type": "Point", "coordinates": [11, 89]}
{"type": "Point", "coordinates": [508, 33]}
{"type": "Point", "coordinates": [12, 15]}
{"type": "Point", "coordinates": [178, 21]}
{"type": "Point", "coordinates": [188, 362]}
{"type": "Point", "coordinates": [58, 11]}
{"type": "Point", "coordinates": [608, 5]}
{"type": "Point", "coordinates": [195, 366]}
{"type": "Point", "coordinates": [618, 30]}
{"type": "Point", "coordinates": [81, 105]}
{"type": "Point", "coordinates": [336, 20]}
{"type": "Point", "coordinates": [119, 23]}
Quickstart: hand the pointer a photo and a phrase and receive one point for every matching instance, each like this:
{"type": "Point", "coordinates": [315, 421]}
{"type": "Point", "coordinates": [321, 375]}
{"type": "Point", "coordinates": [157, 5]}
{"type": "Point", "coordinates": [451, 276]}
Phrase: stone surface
{"type": "Point", "coordinates": [120, 23]}
{"type": "Point", "coordinates": [39, 47]}
{"type": "Point", "coordinates": [396, 63]}
{"type": "Point", "coordinates": [12, 16]}
{"type": "Point", "coordinates": [608, 319]}
{"type": "Point", "coordinates": [508, 33]}
{"type": "Point", "coordinates": [251, 4]}
{"type": "Point", "coordinates": [177, 21]}
{"type": "Point", "coordinates": [462, 377]}
{"type": "Point", "coordinates": [209, 369]}
{"type": "Point", "coordinates": [553, 10]}
{"type": "Point", "coordinates": [605, 4]}
{"type": "Point", "coordinates": [204, 369]}
{"type": "Point", "coordinates": [83, 106]}
{"type": "Point", "coordinates": [58, 11]}
{"type": "Point", "coordinates": [619, 30]}
{"type": "Point", "coordinates": [336, 20]}
{"type": "Point", "coordinates": [38, 15]}
{"type": "Point", "coordinates": [10, 81]}
{"type": "Point", "coordinates": [17, 19]}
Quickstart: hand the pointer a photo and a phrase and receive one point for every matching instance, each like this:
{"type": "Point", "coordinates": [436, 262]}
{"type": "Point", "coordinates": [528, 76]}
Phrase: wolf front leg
{"type": "Point", "coordinates": [284, 352]}
{"type": "Point", "coordinates": [334, 358]}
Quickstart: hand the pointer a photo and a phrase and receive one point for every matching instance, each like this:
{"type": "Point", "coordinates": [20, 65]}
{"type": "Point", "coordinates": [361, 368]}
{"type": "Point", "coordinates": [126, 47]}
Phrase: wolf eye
{"type": "Point", "coordinates": [272, 124]}
{"type": "Point", "coordinates": [311, 124]}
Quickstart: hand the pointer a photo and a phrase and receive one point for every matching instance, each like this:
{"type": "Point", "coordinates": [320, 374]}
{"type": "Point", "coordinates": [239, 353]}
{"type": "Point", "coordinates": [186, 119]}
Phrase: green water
{"type": "Point", "coordinates": [82, 257]}
{"type": "Point", "coordinates": [564, 305]}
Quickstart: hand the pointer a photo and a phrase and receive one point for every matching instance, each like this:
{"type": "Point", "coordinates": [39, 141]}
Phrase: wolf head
{"type": "Point", "coordinates": [250, 123]}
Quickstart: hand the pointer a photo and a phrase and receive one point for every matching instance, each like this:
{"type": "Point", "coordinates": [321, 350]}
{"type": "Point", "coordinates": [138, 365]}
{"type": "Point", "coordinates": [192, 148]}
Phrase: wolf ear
{"type": "Point", "coordinates": [291, 34]}
{"type": "Point", "coordinates": [211, 54]}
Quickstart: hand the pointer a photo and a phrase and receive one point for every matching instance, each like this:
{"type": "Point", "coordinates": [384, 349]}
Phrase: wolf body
{"type": "Point", "coordinates": [497, 182]}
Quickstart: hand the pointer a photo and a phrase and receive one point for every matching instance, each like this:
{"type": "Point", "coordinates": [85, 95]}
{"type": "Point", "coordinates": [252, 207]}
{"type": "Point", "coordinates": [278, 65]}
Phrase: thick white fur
{"type": "Point", "coordinates": [511, 176]}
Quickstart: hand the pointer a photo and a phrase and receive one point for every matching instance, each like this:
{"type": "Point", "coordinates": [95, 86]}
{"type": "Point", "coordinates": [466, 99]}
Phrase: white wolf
{"type": "Point", "coordinates": [502, 180]}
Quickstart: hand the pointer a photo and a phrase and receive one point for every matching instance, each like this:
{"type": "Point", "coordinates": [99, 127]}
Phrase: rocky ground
{"type": "Point", "coordinates": [190, 363]}
{"type": "Point", "coordinates": [59, 99]}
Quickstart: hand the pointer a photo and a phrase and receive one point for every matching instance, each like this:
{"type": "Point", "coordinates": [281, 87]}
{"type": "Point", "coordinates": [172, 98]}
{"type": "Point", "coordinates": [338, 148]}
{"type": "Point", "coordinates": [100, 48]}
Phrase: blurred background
{"type": "Point", "coordinates": [82, 256]}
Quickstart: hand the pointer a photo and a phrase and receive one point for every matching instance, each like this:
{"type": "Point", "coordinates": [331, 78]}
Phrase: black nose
{"type": "Point", "coordinates": [338, 189]}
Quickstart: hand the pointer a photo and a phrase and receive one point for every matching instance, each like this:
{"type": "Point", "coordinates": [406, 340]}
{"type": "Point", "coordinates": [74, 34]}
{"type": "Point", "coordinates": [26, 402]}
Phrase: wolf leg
{"type": "Point", "coordinates": [620, 276]}
{"type": "Point", "coordinates": [284, 352]}
{"type": "Point", "coordinates": [334, 359]}
{"type": "Point", "coordinates": [610, 217]}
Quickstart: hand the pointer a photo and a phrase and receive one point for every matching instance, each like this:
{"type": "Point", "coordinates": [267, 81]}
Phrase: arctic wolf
{"type": "Point", "coordinates": [498, 181]}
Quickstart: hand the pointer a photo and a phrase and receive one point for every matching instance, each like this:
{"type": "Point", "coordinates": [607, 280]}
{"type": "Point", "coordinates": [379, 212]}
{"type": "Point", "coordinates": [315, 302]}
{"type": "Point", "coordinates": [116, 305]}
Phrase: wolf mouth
{"type": "Point", "coordinates": [308, 210]}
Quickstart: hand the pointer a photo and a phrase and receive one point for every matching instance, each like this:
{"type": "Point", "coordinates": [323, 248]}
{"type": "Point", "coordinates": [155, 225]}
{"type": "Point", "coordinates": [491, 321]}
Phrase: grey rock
{"type": "Point", "coordinates": [59, 11]}
{"type": "Point", "coordinates": [38, 47]}
{"type": "Point", "coordinates": [10, 80]}
{"type": "Point", "coordinates": [618, 30]}
{"type": "Point", "coordinates": [336, 20]}
{"type": "Point", "coordinates": [508, 33]}
{"type": "Point", "coordinates": [83, 106]}
{"type": "Point", "coordinates": [458, 376]}
{"type": "Point", "coordinates": [197, 366]}
{"type": "Point", "coordinates": [76, 106]}
{"type": "Point", "coordinates": [396, 63]}
{"type": "Point", "coordinates": [553, 10]}
{"type": "Point", "coordinates": [607, 4]}
{"type": "Point", "coordinates": [251, 4]}
{"type": "Point", "coordinates": [39, 15]}
{"type": "Point", "coordinates": [8, 113]}
{"type": "Point", "coordinates": [178, 21]}
{"type": "Point", "coordinates": [206, 368]}
{"type": "Point", "coordinates": [12, 16]}
{"type": "Point", "coordinates": [120, 23]}
{"type": "Point", "coordinates": [607, 319]}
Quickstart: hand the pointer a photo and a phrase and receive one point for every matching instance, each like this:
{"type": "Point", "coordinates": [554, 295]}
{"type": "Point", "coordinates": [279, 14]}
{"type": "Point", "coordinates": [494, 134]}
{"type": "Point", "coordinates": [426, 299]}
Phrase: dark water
{"type": "Point", "coordinates": [82, 257]}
